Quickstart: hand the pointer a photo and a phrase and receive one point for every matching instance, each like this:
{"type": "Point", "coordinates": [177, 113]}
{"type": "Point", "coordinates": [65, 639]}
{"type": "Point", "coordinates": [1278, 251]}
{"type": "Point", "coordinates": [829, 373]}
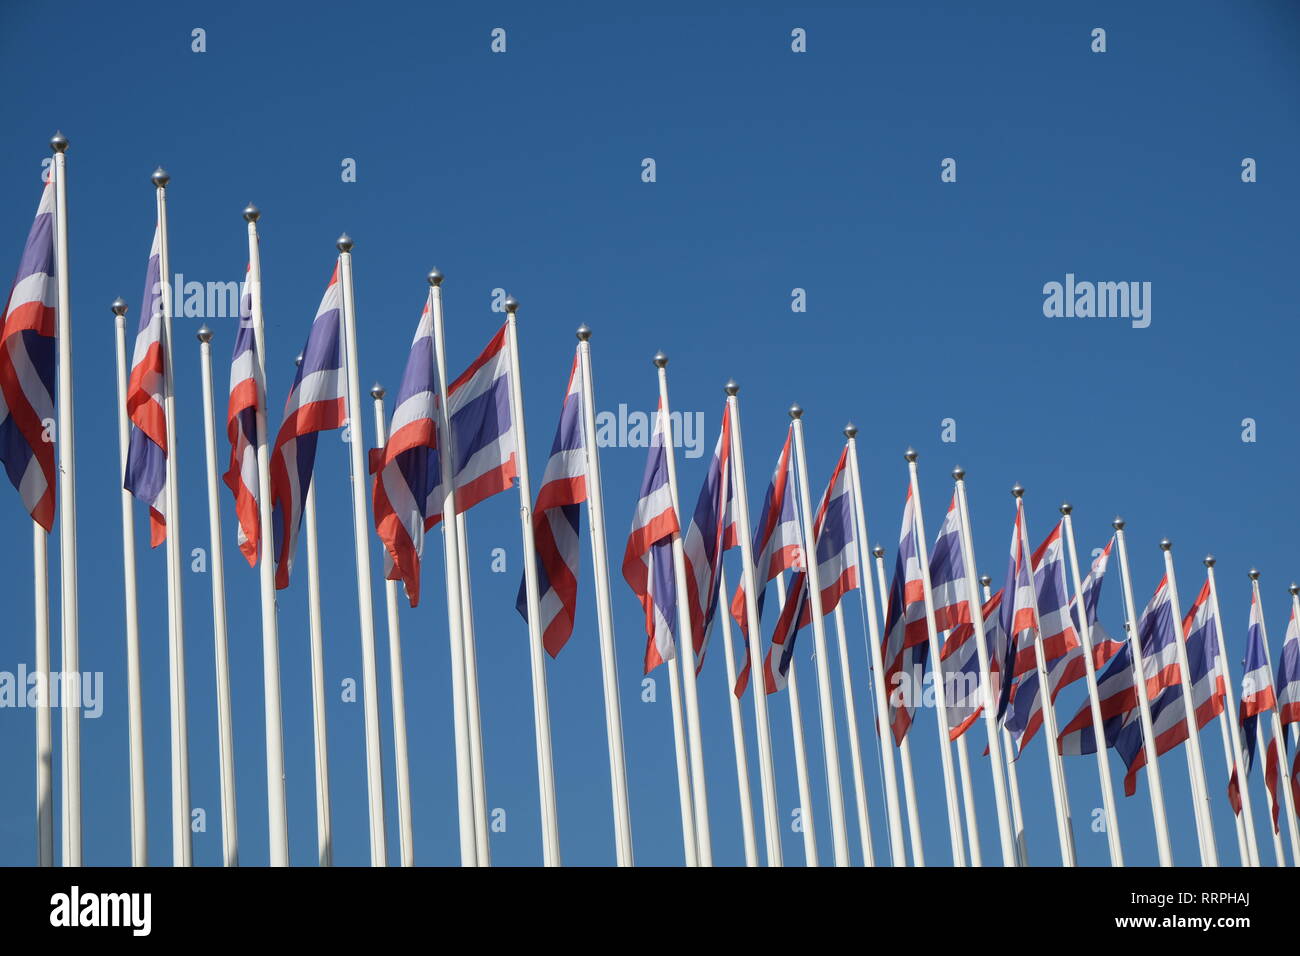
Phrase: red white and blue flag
{"type": "Point", "coordinates": [557, 520]}
{"type": "Point", "coordinates": [1257, 696]}
{"type": "Point", "coordinates": [1018, 614]}
{"type": "Point", "coordinates": [960, 664]}
{"type": "Point", "coordinates": [648, 558]}
{"type": "Point", "coordinates": [906, 637]}
{"type": "Point", "coordinates": [712, 531]}
{"type": "Point", "coordinates": [316, 403]}
{"type": "Point", "coordinates": [241, 428]}
{"type": "Point", "coordinates": [1288, 675]}
{"type": "Point", "coordinates": [27, 349]}
{"type": "Point", "coordinates": [483, 432]}
{"type": "Point", "coordinates": [948, 582]}
{"type": "Point", "coordinates": [146, 458]}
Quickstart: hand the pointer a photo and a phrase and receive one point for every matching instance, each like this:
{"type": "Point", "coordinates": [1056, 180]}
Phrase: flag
{"type": "Point", "coordinates": [316, 403]}
{"type": "Point", "coordinates": [648, 558]}
{"type": "Point", "coordinates": [407, 468]}
{"type": "Point", "coordinates": [241, 428]}
{"type": "Point", "coordinates": [948, 583]}
{"type": "Point", "coordinates": [1018, 614]}
{"type": "Point", "coordinates": [556, 523]}
{"type": "Point", "coordinates": [1117, 697]}
{"type": "Point", "coordinates": [960, 664]}
{"type": "Point", "coordinates": [27, 360]}
{"type": "Point", "coordinates": [1270, 780]}
{"type": "Point", "coordinates": [906, 637]}
{"type": "Point", "coordinates": [1288, 675]}
{"type": "Point", "coordinates": [146, 458]}
{"type": "Point", "coordinates": [1054, 620]}
{"type": "Point", "coordinates": [482, 427]}
{"type": "Point", "coordinates": [1071, 667]}
{"type": "Point", "coordinates": [711, 532]}
{"type": "Point", "coordinates": [1257, 694]}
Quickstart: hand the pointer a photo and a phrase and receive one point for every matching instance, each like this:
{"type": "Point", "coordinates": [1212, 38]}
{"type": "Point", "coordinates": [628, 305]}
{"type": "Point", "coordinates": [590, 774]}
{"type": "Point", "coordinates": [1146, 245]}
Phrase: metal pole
{"type": "Point", "coordinates": [737, 727]}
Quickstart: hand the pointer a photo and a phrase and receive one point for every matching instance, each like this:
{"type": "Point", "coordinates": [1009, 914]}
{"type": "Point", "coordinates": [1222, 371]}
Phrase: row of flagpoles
{"type": "Point", "coordinates": [996, 659]}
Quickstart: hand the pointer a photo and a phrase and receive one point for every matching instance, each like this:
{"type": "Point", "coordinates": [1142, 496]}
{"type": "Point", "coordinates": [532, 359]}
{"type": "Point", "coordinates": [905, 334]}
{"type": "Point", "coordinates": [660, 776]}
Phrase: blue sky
{"type": "Point", "coordinates": [775, 171]}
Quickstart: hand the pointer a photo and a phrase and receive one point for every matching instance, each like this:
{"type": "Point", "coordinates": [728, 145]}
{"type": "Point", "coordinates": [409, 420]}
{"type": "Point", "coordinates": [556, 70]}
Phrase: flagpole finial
{"type": "Point", "coordinates": [850, 430]}
{"type": "Point", "coordinates": [878, 551]}
{"type": "Point", "coordinates": [732, 387]}
{"type": "Point", "coordinates": [204, 334]}
{"type": "Point", "coordinates": [377, 391]}
{"type": "Point", "coordinates": [583, 333]}
{"type": "Point", "coordinates": [985, 580]}
{"type": "Point", "coordinates": [435, 276]}
{"type": "Point", "coordinates": [1066, 507]}
{"type": "Point", "coordinates": [160, 178]}
{"type": "Point", "coordinates": [910, 454]}
{"type": "Point", "coordinates": [1118, 523]}
{"type": "Point", "coordinates": [1294, 589]}
{"type": "Point", "coordinates": [796, 412]}
{"type": "Point", "coordinates": [1166, 544]}
{"type": "Point", "coordinates": [958, 473]}
{"type": "Point", "coordinates": [511, 304]}
{"type": "Point", "coordinates": [119, 306]}
{"type": "Point", "coordinates": [344, 243]}
{"type": "Point", "coordinates": [252, 213]}
{"type": "Point", "coordinates": [1018, 490]}
{"type": "Point", "coordinates": [58, 142]}
{"type": "Point", "coordinates": [1254, 574]}
{"type": "Point", "coordinates": [660, 359]}
{"type": "Point", "coordinates": [298, 360]}
{"type": "Point", "coordinates": [1209, 560]}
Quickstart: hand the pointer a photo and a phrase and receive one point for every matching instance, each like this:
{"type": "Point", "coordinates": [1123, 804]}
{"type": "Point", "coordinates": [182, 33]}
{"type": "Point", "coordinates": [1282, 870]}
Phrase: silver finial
{"type": "Point", "coordinates": [986, 580]}
{"type": "Point", "coordinates": [252, 213]}
{"type": "Point", "coordinates": [1165, 544]}
{"type": "Point", "coordinates": [298, 360]}
{"type": "Point", "coordinates": [204, 334]}
{"type": "Point", "coordinates": [1209, 560]}
{"type": "Point", "coordinates": [511, 304]}
{"type": "Point", "coordinates": [796, 412]}
{"type": "Point", "coordinates": [732, 387]}
{"type": "Point", "coordinates": [1254, 574]}
{"type": "Point", "coordinates": [660, 360]}
{"type": "Point", "coordinates": [1066, 507]}
{"type": "Point", "coordinates": [344, 243]}
{"type": "Point", "coordinates": [583, 333]}
{"type": "Point", "coordinates": [1018, 490]}
{"type": "Point", "coordinates": [1294, 589]}
{"type": "Point", "coordinates": [1118, 523]}
{"type": "Point", "coordinates": [58, 142]}
{"type": "Point", "coordinates": [160, 178]}
{"type": "Point", "coordinates": [435, 276]}
{"type": "Point", "coordinates": [910, 454]}
{"type": "Point", "coordinates": [958, 473]}
{"type": "Point", "coordinates": [878, 551]}
{"type": "Point", "coordinates": [850, 430]}
{"type": "Point", "coordinates": [377, 391]}
{"type": "Point", "coordinates": [119, 306]}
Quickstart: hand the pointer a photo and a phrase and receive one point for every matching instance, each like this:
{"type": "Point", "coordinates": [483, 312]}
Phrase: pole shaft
{"type": "Point", "coordinates": [320, 729]}
{"type": "Point", "coordinates": [1237, 760]}
{"type": "Point", "coordinates": [855, 744]}
{"type": "Point", "coordinates": [44, 723]}
{"type": "Point", "coordinates": [807, 822]}
{"type": "Point", "coordinates": [1283, 771]}
{"type": "Point", "coordinates": [737, 726]}
{"type": "Point", "coordinates": [1013, 781]}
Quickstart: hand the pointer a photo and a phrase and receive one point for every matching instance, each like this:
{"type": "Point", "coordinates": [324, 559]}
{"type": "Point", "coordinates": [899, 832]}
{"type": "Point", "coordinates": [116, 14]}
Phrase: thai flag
{"type": "Point", "coordinates": [556, 523]}
{"type": "Point", "coordinates": [1054, 621]}
{"type": "Point", "coordinates": [27, 347]}
{"type": "Point", "coordinates": [1071, 667]}
{"type": "Point", "coordinates": [711, 532]}
{"type": "Point", "coordinates": [1257, 695]}
{"type": "Point", "coordinates": [407, 467]}
{"type": "Point", "coordinates": [1270, 780]}
{"type": "Point", "coordinates": [906, 634]}
{"type": "Point", "coordinates": [1288, 674]}
{"type": "Point", "coordinates": [1019, 616]}
{"type": "Point", "coordinates": [948, 581]}
{"type": "Point", "coordinates": [1118, 698]}
{"type": "Point", "coordinates": [241, 428]}
{"type": "Point", "coordinates": [483, 433]}
{"type": "Point", "coordinates": [960, 664]}
{"type": "Point", "coordinates": [1159, 652]}
{"type": "Point", "coordinates": [146, 458]}
{"type": "Point", "coordinates": [648, 559]}
{"type": "Point", "coordinates": [316, 403]}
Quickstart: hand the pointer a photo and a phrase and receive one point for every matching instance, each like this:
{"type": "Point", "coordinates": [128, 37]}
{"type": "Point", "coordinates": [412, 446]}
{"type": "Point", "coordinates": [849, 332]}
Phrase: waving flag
{"type": "Point", "coordinates": [1257, 696]}
{"type": "Point", "coordinates": [1059, 636]}
{"type": "Point", "coordinates": [948, 582]}
{"type": "Point", "coordinates": [556, 522]}
{"type": "Point", "coordinates": [1156, 630]}
{"type": "Point", "coordinates": [648, 559]}
{"type": "Point", "coordinates": [906, 634]}
{"type": "Point", "coordinates": [1071, 667]}
{"type": "Point", "coordinates": [1288, 675]}
{"type": "Point", "coordinates": [146, 458]}
{"type": "Point", "coordinates": [407, 466]}
{"type": "Point", "coordinates": [241, 428]}
{"type": "Point", "coordinates": [1019, 616]}
{"type": "Point", "coordinates": [1118, 698]}
{"type": "Point", "coordinates": [316, 403]}
{"type": "Point", "coordinates": [482, 429]}
{"type": "Point", "coordinates": [27, 347]}
{"type": "Point", "coordinates": [711, 532]}
{"type": "Point", "coordinates": [959, 660]}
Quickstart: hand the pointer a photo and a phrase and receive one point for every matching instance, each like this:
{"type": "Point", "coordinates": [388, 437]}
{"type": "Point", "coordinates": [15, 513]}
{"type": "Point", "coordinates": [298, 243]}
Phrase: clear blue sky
{"type": "Point", "coordinates": [775, 170]}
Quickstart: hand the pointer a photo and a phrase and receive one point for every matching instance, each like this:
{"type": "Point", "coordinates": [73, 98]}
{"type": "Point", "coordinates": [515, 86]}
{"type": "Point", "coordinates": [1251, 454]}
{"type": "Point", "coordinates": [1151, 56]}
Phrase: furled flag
{"type": "Point", "coordinates": [241, 428]}
{"type": "Point", "coordinates": [778, 547]}
{"type": "Point", "coordinates": [27, 346]}
{"type": "Point", "coordinates": [711, 532]}
{"type": "Point", "coordinates": [316, 403]}
{"type": "Point", "coordinates": [483, 432]}
{"type": "Point", "coordinates": [556, 522]}
{"type": "Point", "coordinates": [1257, 695]}
{"type": "Point", "coordinates": [960, 662]}
{"type": "Point", "coordinates": [648, 559]}
{"type": "Point", "coordinates": [146, 458]}
{"type": "Point", "coordinates": [407, 467]}
{"type": "Point", "coordinates": [906, 637]}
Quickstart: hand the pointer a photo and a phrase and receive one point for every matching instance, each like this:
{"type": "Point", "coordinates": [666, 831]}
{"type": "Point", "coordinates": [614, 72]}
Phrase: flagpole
{"type": "Point", "coordinates": [135, 705]}
{"type": "Point", "coordinates": [1200, 795]}
{"type": "Point", "coordinates": [482, 851]}
{"type": "Point", "coordinates": [1229, 709]}
{"type": "Point", "coordinates": [1064, 822]}
{"type": "Point", "coordinates": [44, 724]}
{"type": "Point", "coordinates": [889, 774]}
{"type": "Point", "coordinates": [737, 727]}
{"type": "Point", "coordinates": [941, 692]}
{"type": "Point", "coordinates": [968, 802]}
{"type": "Point", "coordinates": [767, 772]}
{"type": "Point", "coordinates": [452, 569]}
{"type": "Point", "coordinates": [905, 747]}
{"type": "Point", "coordinates": [825, 694]}
{"type": "Point", "coordinates": [1279, 856]}
{"type": "Point", "coordinates": [1144, 703]}
{"type": "Point", "coordinates": [1094, 700]}
{"type": "Point", "coordinates": [276, 812]}
{"type": "Point", "coordinates": [604, 608]}
{"type": "Point", "coordinates": [1235, 760]}
{"type": "Point", "coordinates": [855, 745]}
{"type": "Point", "coordinates": [989, 699]}
{"type": "Point", "coordinates": [1012, 781]}
{"type": "Point", "coordinates": [216, 561]}
{"type": "Point", "coordinates": [807, 821]}
{"type": "Point", "coordinates": [320, 733]}
{"type": "Point", "coordinates": [537, 654]}
{"type": "Point", "coordinates": [1283, 771]}
{"type": "Point", "coordinates": [182, 837]}
{"type": "Point", "coordinates": [361, 541]}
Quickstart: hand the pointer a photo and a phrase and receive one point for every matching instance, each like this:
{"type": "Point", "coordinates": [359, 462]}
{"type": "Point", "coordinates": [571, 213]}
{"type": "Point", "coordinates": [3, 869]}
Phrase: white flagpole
{"type": "Point", "coordinates": [889, 774]}
{"type": "Point", "coordinates": [686, 645]}
{"type": "Point", "coordinates": [968, 802]}
{"type": "Point", "coordinates": [604, 608]}
{"type": "Point", "coordinates": [767, 771]}
{"type": "Point", "coordinates": [1233, 743]}
{"type": "Point", "coordinates": [217, 568]}
{"type": "Point", "coordinates": [1196, 768]}
{"type": "Point", "coordinates": [1013, 781]}
{"type": "Point", "coordinates": [182, 837]}
{"type": "Point", "coordinates": [44, 723]}
{"type": "Point", "coordinates": [855, 745]}
{"type": "Point", "coordinates": [135, 704]}
{"type": "Point", "coordinates": [537, 653]}
{"type": "Point", "coordinates": [401, 752]}
{"type": "Point", "coordinates": [1061, 796]}
{"type": "Point", "coordinates": [1283, 771]}
{"type": "Point", "coordinates": [1279, 856]}
{"type": "Point", "coordinates": [807, 819]}
{"type": "Point", "coordinates": [1094, 701]}
{"type": "Point", "coordinates": [361, 540]}
{"type": "Point", "coordinates": [904, 748]}
{"type": "Point", "coordinates": [276, 812]}
{"type": "Point", "coordinates": [737, 726]}
{"type": "Point", "coordinates": [320, 732]}
{"type": "Point", "coordinates": [482, 851]}
{"type": "Point", "coordinates": [989, 699]}
{"type": "Point", "coordinates": [825, 693]}
{"type": "Point", "coordinates": [1144, 703]}
{"type": "Point", "coordinates": [941, 693]}
{"type": "Point", "coordinates": [452, 566]}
